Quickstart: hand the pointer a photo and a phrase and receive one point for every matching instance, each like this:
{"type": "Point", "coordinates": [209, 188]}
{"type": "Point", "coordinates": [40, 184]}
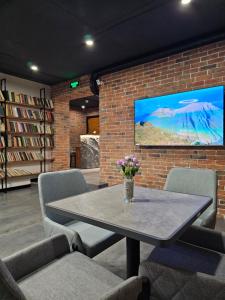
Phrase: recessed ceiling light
{"type": "Point", "coordinates": [86, 101]}
{"type": "Point", "coordinates": [89, 42]}
{"type": "Point", "coordinates": [88, 39]}
{"type": "Point", "coordinates": [83, 106]}
{"type": "Point", "coordinates": [185, 2]}
{"type": "Point", "coordinates": [34, 68]}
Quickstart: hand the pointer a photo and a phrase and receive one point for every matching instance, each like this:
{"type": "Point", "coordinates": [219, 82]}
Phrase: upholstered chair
{"type": "Point", "coordinates": [199, 182]}
{"type": "Point", "coordinates": [193, 268]}
{"type": "Point", "coordinates": [84, 237]}
{"type": "Point", "coordinates": [48, 270]}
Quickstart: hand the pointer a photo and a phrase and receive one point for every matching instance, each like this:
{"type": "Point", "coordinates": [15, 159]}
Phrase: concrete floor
{"type": "Point", "coordinates": [20, 216]}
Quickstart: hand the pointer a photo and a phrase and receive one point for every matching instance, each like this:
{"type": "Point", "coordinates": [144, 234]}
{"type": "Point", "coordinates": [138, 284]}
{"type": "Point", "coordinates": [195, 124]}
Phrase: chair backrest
{"type": "Point", "coordinates": [9, 290]}
{"type": "Point", "coordinates": [193, 181]}
{"type": "Point", "coordinates": [54, 186]}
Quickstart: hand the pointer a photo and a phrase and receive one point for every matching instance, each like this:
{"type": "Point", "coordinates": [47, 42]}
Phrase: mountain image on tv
{"type": "Point", "coordinates": [189, 118]}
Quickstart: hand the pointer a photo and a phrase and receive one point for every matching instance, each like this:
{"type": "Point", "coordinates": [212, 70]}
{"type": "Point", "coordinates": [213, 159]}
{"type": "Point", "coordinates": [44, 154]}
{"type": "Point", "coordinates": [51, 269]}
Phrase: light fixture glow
{"type": "Point", "coordinates": [86, 101]}
{"type": "Point", "coordinates": [89, 42]}
{"type": "Point", "coordinates": [83, 106]}
{"type": "Point", "coordinates": [185, 2]}
{"type": "Point", "coordinates": [34, 68]}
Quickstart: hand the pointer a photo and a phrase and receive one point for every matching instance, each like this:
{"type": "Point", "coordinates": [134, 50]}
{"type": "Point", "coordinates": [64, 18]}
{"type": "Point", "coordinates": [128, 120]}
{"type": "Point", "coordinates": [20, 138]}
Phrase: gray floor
{"type": "Point", "coordinates": [20, 226]}
{"type": "Point", "coordinates": [20, 216]}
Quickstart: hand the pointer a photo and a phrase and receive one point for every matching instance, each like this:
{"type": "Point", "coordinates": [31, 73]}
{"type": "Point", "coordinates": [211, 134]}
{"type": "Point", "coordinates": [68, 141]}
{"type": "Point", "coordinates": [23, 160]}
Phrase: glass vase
{"type": "Point", "coordinates": [128, 189]}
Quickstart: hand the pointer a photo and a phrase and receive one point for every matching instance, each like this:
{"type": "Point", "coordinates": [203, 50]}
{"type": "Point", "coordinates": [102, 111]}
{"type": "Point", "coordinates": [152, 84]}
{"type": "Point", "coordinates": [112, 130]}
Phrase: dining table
{"type": "Point", "coordinates": [154, 216]}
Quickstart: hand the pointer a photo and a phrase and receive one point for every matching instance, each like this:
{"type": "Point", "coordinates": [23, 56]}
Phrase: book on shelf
{"type": "Point", "coordinates": [29, 100]}
{"type": "Point", "coordinates": [24, 141]}
{"type": "Point", "coordinates": [24, 156]}
{"type": "Point", "coordinates": [48, 116]}
{"type": "Point", "coordinates": [28, 113]}
{"type": "Point", "coordinates": [2, 158]}
{"type": "Point", "coordinates": [48, 129]}
{"type": "Point", "coordinates": [21, 112]}
{"type": "Point", "coordinates": [2, 142]}
{"type": "Point", "coordinates": [21, 127]}
{"type": "Point", "coordinates": [1, 111]}
{"type": "Point", "coordinates": [11, 172]}
{"type": "Point", "coordinates": [2, 174]}
{"type": "Point", "coordinates": [2, 126]}
{"type": "Point", "coordinates": [2, 98]}
{"type": "Point", "coordinates": [49, 142]}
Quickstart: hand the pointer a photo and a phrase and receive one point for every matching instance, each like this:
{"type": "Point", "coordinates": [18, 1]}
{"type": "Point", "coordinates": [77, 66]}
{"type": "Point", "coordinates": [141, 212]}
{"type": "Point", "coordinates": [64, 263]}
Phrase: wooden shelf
{"type": "Point", "coordinates": [27, 148]}
{"type": "Point", "coordinates": [29, 133]}
{"type": "Point", "coordinates": [25, 133]}
{"type": "Point", "coordinates": [23, 148]}
{"type": "Point", "coordinates": [28, 162]}
{"type": "Point", "coordinates": [21, 176]}
{"type": "Point", "coordinates": [39, 119]}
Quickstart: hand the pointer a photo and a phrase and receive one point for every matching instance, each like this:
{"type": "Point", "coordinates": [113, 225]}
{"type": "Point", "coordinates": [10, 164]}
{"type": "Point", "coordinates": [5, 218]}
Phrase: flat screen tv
{"type": "Point", "coordinates": [193, 118]}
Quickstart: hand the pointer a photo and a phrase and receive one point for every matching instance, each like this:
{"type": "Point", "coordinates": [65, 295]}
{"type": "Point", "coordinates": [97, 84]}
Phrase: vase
{"type": "Point", "coordinates": [128, 189]}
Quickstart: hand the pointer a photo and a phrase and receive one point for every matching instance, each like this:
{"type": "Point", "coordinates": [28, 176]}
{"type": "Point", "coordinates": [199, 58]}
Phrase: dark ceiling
{"type": "Point", "coordinates": [88, 102]}
{"type": "Point", "coordinates": [50, 33]}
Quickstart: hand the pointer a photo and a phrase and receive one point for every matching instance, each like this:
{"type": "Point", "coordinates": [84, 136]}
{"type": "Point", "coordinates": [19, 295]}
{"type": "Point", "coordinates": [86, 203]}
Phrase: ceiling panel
{"type": "Point", "coordinates": [50, 33]}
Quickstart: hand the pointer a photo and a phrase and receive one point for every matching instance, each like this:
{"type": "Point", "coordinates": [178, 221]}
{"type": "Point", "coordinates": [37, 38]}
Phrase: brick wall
{"type": "Point", "coordinates": [78, 125]}
{"type": "Point", "coordinates": [61, 95]}
{"type": "Point", "coordinates": [198, 68]}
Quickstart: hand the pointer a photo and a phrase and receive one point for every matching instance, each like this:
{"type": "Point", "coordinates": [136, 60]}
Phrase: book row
{"type": "Point", "coordinates": [20, 127]}
{"type": "Point", "coordinates": [27, 113]}
{"type": "Point", "coordinates": [11, 172]}
{"type": "Point", "coordinates": [24, 141]}
{"type": "Point", "coordinates": [25, 99]}
{"type": "Point", "coordinates": [24, 156]}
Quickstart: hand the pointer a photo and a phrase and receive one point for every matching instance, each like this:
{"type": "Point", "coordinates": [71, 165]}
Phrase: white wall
{"type": "Point", "coordinates": [28, 87]}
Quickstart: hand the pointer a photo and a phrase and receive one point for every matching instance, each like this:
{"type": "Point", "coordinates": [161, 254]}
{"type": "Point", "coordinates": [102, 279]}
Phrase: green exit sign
{"type": "Point", "coordinates": [74, 84]}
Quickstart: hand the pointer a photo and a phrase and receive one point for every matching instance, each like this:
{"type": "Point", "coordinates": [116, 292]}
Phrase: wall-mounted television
{"type": "Point", "coordinates": [192, 118]}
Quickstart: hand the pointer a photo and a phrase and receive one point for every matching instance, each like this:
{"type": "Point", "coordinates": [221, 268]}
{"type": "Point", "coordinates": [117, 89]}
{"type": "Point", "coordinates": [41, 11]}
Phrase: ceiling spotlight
{"type": "Point", "coordinates": [34, 68]}
{"type": "Point", "coordinates": [89, 42]}
{"type": "Point", "coordinates": [88, 39]}
{"type": "Point", "coordinates": [86, 101]}
{"type": "Point", "coordinates": [83, 106]}
{"type": "Point", "coordinates": [185, 2]}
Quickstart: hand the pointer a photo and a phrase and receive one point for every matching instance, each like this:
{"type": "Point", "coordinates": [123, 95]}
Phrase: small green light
{"type": "Point", "coordinates": [74, 84]}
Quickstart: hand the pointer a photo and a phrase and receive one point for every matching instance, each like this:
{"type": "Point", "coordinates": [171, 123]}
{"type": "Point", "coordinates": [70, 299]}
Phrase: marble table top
{"type": "Point", "coordinates": [155, 216]}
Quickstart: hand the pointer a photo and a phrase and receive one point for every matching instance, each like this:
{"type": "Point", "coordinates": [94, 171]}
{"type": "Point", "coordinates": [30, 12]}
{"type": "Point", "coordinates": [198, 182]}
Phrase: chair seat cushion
{"type": "Point", "coordinates": [191, 258]}
{"type": "Point", "coordinates": [73, 277]}
{"type": "Point", "coordinates": [94, 239]}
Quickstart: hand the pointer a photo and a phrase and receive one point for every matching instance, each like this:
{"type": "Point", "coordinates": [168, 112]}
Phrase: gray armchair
{"type": "Point", "coordinates": [48, 271]}
{"type": "Point", "coordinates": [193, 268]}
{"type": "Point", "coordinates": [199, 182]}
{"type": "Point", "coordinates": [84, 237]}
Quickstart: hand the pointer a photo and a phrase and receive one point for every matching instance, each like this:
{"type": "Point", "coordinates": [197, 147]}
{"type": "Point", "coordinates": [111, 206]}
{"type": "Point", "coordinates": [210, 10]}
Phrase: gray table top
{"type": "Point", "coordinates": [156, 216]}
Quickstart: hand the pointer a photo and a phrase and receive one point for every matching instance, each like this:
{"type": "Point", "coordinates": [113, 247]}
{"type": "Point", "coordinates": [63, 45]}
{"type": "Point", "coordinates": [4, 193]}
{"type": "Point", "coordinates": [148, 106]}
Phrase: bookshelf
{"type": "Point", "coordinates": [26, 135]}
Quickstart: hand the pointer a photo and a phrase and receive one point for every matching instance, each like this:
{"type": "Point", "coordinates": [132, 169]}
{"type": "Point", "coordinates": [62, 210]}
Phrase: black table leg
{"type": "Point", "coordinates": [133, 257]}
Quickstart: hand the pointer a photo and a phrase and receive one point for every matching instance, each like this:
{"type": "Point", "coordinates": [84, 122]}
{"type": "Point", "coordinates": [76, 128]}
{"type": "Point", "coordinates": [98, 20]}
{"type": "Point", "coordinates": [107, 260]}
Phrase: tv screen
{"type": "Point", "coordinates": [193, 118]}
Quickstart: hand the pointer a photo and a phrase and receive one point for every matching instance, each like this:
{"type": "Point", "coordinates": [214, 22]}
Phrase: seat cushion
{"type": "Point", "coordinates": [191, 258]}
{"type": "Point", "coordinates": [94, 239]}
{"type": "Point", "coordinates": [172, 284]}
{"type": "Point", "coordinates": [73, 277]}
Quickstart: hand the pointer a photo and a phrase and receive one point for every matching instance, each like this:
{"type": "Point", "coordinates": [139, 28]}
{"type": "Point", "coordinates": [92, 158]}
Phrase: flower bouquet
{"type": "Point", "coordinates": [128, 167]}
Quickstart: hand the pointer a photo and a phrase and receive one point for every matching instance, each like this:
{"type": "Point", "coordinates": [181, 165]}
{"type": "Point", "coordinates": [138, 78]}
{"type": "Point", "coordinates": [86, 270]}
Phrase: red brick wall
{"type": "Point", "coordinates": [198, 68]}
{"type": "Point", "coordinates": [61, 95]}
{"type": "Point", "coordinates": [78, 125]}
